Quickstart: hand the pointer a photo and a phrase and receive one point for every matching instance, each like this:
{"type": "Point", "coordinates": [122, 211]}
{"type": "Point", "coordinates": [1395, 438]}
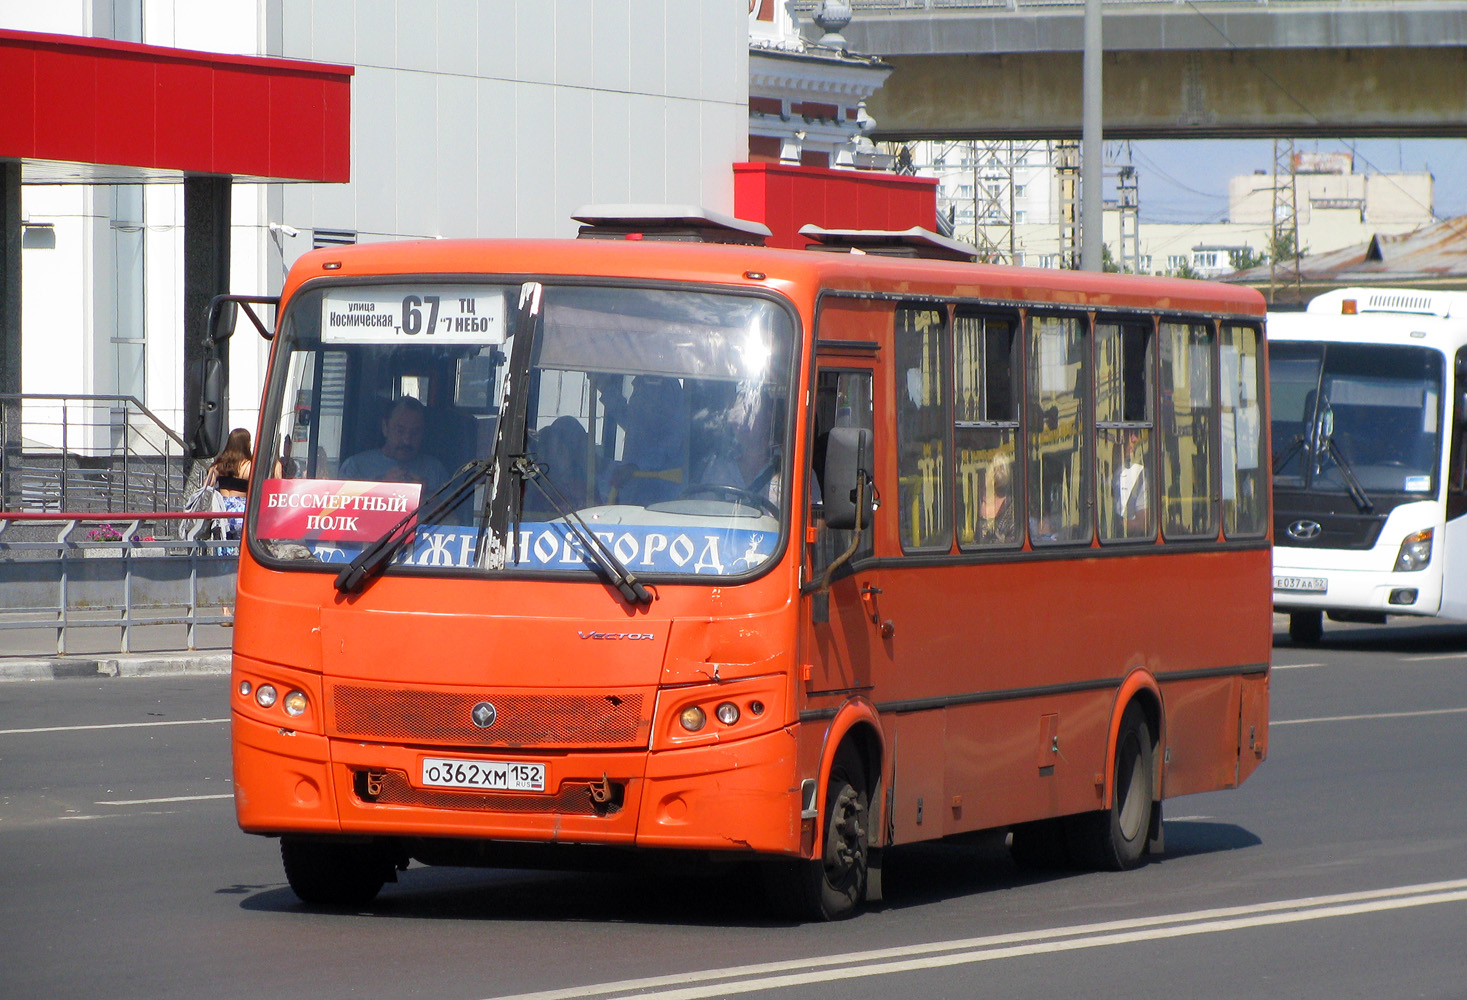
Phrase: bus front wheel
{"type": "Point", "coordinates": [833, 886]}
{"type": "Point", "coordinates": [1115, 839]}
{"type": "Point", "coordinates": [1306, 627]}
{"type": "Point", "coordinates": [325, 873]}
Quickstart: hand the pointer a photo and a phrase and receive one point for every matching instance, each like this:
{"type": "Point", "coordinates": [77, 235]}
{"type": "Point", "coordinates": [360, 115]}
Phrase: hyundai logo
{"type": "Point", "coordinates": [484, 715]}
{"type": "Point", "coordinates": [1304, 530]}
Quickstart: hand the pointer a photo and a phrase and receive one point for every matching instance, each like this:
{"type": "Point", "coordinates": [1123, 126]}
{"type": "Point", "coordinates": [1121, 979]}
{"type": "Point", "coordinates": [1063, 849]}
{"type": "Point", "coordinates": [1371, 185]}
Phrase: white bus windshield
{"type": "Point", "coordinates": [1367, 413]}
{"type": "Point", "coordinates": [658, 417]}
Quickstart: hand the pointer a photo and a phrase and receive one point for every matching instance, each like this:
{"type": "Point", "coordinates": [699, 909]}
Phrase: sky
{"type": "Point", "coordinates": [1187, 180]}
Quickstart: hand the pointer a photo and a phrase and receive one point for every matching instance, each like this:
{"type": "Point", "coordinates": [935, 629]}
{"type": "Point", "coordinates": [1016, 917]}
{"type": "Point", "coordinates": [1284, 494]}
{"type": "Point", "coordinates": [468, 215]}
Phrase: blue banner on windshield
{"type": "Point", "coordinates": [642, 548]}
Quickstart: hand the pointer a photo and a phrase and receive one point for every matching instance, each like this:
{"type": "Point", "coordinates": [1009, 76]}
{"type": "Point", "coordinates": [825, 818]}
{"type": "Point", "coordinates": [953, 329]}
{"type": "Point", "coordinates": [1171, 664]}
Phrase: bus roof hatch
{"type": "Point", "coordinates": [914, 242]}
{"type": "Point", "coordinates": [684, 223]}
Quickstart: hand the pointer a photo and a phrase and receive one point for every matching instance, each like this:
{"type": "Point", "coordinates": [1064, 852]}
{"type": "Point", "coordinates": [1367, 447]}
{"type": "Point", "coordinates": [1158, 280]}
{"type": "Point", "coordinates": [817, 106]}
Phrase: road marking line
{"type": "Point", "coordinates": [1296, 666]}
{"type": "Point", "coordinates": [1433, 656]}
{"type": "Point", "coordinates": [1377, 715]}
{"type": "Point", "coordinates": [112, 725]}
{"type": "Point", "coordinates": [801, 972]}
{"type": "Point", "coordinates": [171, 798]}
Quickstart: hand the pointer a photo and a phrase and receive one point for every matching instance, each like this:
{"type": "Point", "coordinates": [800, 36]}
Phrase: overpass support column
{"type": "Point", "coordinates": [1092, 147]}
{"type": "Point", "coordinates": [10, 248]}
{"type": "Point", "coordinates": [206, 202]}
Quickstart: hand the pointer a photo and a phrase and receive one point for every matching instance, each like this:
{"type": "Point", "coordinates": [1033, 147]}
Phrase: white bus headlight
{"type": "Point", "coordinates": [1415, 552]}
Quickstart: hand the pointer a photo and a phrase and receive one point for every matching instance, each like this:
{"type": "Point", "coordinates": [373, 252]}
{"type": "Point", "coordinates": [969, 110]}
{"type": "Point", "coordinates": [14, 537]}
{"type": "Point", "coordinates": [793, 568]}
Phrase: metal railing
{"type": "Point", "coordinates": [113, 571]}
{"type": "Point", "coordinates": [88, 454]}
{"type": "Point", "coordinates": [808, 7]}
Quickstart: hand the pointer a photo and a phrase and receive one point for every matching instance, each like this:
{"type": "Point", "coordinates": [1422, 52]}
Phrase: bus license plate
{"type": "Point", "coordinates": [1301, 584]}
{"type": "Point", "coordinates": [493, 775]}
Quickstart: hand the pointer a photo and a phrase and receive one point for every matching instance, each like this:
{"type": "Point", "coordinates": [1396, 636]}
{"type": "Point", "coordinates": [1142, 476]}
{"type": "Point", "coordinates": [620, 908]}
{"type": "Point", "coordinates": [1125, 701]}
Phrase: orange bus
{"type": "Point", "coordinates": [561, 549]}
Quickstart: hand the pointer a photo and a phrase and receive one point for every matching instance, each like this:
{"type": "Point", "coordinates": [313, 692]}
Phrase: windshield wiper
{"type": "Point", "coordinates": [614, 569]}
{"type": "Point", "coordinates": [372, 560]}
{"type": "Point", "coordinates": [1357, 492]}
{"type": "Point", "coordinates": [1282, 459]}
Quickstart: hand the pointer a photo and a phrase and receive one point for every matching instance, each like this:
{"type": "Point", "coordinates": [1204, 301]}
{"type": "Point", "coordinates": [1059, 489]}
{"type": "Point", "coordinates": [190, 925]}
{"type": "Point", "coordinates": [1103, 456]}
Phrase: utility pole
{"type": "Point", "coordinates": [1067, 175]}
{"type": "Point", "coordinates": [1285, 235]}
{"type": "Point", "coordinates": [1129, 205]}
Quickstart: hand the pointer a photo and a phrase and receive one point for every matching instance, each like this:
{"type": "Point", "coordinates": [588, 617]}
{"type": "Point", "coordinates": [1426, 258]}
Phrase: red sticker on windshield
{"type": "Point", "coordinates": [334, 510]}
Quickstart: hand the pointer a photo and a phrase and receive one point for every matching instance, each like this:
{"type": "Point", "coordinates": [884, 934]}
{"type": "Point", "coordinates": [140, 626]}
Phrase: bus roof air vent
{"type": "Point", "coordinates": [678, 223]}
{"type": "Point", "coordinates": [914, 242]}
{"type": "Point", "coordinates": [1419, 303]}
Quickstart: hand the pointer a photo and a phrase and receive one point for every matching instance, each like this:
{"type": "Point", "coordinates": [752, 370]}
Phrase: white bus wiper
{"type": "Point", "coordinates": [372, 560]}
{"type": "Point", "coordinates": [614, 569]}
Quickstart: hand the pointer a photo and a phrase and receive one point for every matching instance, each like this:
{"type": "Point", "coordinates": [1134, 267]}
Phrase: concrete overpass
{"type": "Point", "coordinates": [1197, 69]}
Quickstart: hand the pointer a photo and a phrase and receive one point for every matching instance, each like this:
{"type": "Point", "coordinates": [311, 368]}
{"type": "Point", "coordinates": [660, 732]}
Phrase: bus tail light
{"type": "Point", "coordinates": [1415, 552]}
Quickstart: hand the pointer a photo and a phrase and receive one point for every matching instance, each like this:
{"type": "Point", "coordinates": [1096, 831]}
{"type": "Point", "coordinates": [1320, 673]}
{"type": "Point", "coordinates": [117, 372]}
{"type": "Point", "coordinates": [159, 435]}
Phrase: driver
{"type": "Point", "coordinates": [401, 458]}
{"type": "Point", "coordinates": [746, 458]}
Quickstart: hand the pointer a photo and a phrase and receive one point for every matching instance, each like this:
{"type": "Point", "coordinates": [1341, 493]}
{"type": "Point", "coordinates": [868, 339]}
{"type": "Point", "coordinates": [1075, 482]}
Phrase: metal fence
{"type": "Point", "coordinates": [117, 571]}
{"type": "Point", "coordinates": [809, 7]}
{"type": "Point", "coordinates": [88, 454]}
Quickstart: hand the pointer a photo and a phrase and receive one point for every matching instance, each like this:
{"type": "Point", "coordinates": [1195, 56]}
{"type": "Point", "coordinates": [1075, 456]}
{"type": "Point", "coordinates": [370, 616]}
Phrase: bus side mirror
{"type": "Point", "coordinates": [223, 315]}
{"type": "Point", "coordinates": [847, 458]}
{"type": "Point", "coordinates": [212, 407]}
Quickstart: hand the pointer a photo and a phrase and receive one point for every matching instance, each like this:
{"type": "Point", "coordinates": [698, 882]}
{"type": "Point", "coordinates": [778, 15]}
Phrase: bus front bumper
{"type": "Point", "coordinates": [742, 796]}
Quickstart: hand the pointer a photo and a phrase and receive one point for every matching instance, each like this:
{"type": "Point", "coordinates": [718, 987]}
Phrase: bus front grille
{"type": "Point", "coordinates": [446, 718]}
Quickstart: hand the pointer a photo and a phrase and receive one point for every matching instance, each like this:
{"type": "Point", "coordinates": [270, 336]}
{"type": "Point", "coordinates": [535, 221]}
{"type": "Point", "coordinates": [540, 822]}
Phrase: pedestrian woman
{"type": "Point", "coordinates": [230, 475]}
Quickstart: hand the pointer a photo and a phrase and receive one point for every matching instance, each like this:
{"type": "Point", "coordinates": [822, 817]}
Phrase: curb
{"type": "Point", "coordinates": [57, 668]}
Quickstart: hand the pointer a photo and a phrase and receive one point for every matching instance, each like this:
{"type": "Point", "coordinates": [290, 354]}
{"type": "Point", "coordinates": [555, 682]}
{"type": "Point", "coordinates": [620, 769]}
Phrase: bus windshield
{"type": "Point", "coordinates": [1362, 419]}
{"type": "Point", "coordinates": [656, 417]}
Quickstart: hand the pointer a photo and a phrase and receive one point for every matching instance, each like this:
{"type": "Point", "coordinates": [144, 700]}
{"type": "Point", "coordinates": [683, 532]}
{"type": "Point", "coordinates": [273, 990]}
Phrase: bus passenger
{"type": "Point", "coordinates": [401, 458]}
{"type": "Point", "coordinates": [561, 450]}
{"type": "Point", "coordinates": [1131, 489]}
{"type": "Point", "coordinates": [996, 511]}
{"type": "Point", "coordinates": [655, 453]}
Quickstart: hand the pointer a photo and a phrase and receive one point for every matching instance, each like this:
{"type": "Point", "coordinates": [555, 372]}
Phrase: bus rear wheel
{"type": "Point", "coordinates": [1115, 839]}
{"type": "Point", "coordinates": [1306, 627]}
{"type": "Point", "coordinates": [326, 873]}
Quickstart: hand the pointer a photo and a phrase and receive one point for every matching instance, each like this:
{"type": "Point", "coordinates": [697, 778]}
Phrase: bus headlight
{"type": "Point", "coordinates": [265, 695]}
{"type": "Point", "coordinates": [1415, 552]}
{"type": "Point", "coordinates": [693, 718]}
{"type": "Point", "coordinates": [295, 703]}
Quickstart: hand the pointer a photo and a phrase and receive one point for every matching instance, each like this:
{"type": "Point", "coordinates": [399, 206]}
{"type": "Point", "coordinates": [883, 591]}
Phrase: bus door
{"type": "Point", "coordinates": [1454, 532]}
{"type": "Point", "coordinates": [841, 628]}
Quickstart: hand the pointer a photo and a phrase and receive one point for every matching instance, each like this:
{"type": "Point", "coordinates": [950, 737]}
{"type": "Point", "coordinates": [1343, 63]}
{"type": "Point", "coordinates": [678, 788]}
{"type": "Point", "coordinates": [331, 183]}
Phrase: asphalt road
{"type": "Point", "coordinates": [1339, 870]}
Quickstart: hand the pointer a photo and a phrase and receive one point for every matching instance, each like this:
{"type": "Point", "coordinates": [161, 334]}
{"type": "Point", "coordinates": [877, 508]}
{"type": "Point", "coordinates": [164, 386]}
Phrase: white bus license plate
{"type": "Point", "coordinates": [1301, 584]}
{"type": "Point", "coordinates": [493, 775]}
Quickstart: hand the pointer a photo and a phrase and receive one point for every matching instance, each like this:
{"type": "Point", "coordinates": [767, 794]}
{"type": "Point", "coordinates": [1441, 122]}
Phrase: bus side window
{"type": "Point", "coordinates": [1244, 489]}
{"type": "Point", "coordinates": [1124, 431]}
{"type": "Point", "coordinates": [986, 395]}
{"type": "Point", "coordinates": [922, 423]}
{"type": "Point", "coordinates": [1058, 512]}
{"type": "Point", "coordinates": [1187, 417]}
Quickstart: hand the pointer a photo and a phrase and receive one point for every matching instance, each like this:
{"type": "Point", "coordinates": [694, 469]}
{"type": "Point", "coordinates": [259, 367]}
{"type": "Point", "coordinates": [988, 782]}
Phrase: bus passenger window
{"type": "Point", "coordinates": [922, 428]}
{"type": "Point", "coordinates": [1058, 512]}
{"type": "Point", "coordinates": [1187, 417]}
{"type": "Point", "coordinates": [1244, 488]}
{"type": "Point", "coordinates": [1125, 463]}
{"type": "Point", "coordinates": [985, 430]}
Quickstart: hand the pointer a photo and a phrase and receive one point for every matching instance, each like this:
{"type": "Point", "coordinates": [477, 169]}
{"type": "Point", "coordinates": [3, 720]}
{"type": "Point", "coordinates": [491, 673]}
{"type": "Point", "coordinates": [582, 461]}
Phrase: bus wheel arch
{"type": "Point", "coordinates": [838, 878]}
{"type": "Point", "coordinates": [1118, 836]}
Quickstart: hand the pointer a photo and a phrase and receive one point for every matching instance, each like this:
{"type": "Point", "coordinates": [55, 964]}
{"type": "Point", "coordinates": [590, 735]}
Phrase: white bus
{"type": "Point", "coordinates": [1368, 413]}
